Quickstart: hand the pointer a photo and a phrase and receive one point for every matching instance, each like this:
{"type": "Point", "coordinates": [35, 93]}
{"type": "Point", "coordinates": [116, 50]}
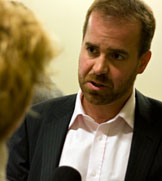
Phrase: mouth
{"type": "Point", "coordinates": [96, 84]}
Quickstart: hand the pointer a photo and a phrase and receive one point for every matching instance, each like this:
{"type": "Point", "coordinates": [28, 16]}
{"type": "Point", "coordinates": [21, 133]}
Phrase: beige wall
{"type": "Point", "coordinates": [65, 18]}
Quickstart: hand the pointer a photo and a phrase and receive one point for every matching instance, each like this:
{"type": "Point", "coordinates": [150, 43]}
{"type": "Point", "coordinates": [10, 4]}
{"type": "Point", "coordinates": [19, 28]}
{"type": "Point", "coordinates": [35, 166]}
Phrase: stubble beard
{"type": "Point", "coordinates": [110, 94]}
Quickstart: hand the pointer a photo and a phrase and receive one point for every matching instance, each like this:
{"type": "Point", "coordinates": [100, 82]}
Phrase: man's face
{"type": "Point", "coordinates": [109, 60]}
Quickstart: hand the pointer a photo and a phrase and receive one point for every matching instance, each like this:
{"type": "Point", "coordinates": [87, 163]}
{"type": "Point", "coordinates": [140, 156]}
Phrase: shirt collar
{"type": "Point", "coordinates": [127, 112]}
{"type": "Point", "coordinates": [78, 108]}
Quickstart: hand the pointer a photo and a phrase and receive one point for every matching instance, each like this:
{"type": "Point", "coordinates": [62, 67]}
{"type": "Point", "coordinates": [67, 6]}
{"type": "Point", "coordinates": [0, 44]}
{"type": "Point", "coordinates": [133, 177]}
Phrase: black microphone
{"type": "Point", "coordinates": [66, 173]}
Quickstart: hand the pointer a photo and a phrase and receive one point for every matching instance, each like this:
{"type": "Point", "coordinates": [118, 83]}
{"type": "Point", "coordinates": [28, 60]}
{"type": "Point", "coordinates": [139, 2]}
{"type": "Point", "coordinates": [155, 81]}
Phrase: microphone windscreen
{"type": "Point", "coordinates": [66, 173]}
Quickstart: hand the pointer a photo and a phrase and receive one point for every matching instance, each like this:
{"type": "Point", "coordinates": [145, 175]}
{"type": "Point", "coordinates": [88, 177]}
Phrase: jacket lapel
{"type": "Point", "coordinates": [54, 135]}
{"type": "Point", "coordinates": [146, 138]}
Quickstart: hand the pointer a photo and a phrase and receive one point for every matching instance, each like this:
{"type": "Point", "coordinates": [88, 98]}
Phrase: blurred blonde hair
{"type": "Point", "coordinates": [25, 50]}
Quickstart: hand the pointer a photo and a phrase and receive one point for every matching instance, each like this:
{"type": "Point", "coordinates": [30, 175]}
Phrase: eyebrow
{"type": "Point", "coordinates": [124, 52]}
{"type": "Point", "coordinates": [91, 44]}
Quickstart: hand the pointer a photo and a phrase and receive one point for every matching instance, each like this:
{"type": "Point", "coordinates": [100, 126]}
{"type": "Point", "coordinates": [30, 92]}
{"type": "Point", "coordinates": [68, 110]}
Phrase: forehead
{"type": "Point", "coordinates": [112, 28]}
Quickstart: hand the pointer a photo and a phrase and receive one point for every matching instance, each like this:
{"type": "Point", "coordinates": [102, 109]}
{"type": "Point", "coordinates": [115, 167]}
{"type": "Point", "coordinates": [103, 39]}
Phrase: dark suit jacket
{"type": "Point", "coordinates": [36, 147]}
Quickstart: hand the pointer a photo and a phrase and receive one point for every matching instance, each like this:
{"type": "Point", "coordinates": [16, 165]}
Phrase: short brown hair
{"type": "Point", "coordinates": [24, 52]}
{"type": "Point", "coordinates": [128, 10]}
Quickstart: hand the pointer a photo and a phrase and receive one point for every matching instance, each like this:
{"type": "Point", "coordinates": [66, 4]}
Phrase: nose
{"type": "Point", "coordinates": [100, 66]}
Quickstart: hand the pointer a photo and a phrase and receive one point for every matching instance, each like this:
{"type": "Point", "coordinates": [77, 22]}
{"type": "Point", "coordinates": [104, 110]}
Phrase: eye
{"type": "Point", "coordinates": [116, 56]}
{"type": "Point", "coordinates": [92, 51]}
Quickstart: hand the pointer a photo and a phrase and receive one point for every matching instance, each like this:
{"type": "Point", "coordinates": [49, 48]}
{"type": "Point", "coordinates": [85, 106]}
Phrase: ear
{"type": "Point", "coordinates": [144, 60]}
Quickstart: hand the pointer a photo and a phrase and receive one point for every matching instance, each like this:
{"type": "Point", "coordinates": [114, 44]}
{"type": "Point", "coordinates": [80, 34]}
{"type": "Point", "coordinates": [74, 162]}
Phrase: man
{"type": "Point", "coordinates": [24, 52]}
{"type": "Point", "coordinates": [109, 131]}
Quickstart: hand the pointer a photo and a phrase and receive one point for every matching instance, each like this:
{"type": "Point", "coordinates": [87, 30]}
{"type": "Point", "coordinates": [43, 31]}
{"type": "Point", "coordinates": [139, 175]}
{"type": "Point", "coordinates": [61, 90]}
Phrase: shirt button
{"type": "Point", "coordinates": [93, 174]}
{"type": "Point", "coordinates": [100, 138]}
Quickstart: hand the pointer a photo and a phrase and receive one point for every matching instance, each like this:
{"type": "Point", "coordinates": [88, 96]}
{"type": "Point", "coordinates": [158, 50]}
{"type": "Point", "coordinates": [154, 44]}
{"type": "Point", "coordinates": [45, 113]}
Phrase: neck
{"type": "Point", "coordinates": [103, 113]}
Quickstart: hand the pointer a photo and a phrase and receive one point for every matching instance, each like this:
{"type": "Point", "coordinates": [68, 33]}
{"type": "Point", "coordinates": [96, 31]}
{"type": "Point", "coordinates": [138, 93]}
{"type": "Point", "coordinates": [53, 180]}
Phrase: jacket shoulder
{"type": "Point", "coordinates": [145, 100]}
{"type": "Point", "coordinates": [54, 105]}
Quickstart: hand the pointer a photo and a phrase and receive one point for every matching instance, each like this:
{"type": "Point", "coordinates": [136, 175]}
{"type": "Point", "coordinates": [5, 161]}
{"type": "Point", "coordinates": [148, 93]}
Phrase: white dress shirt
{"type": "Point", "coordinates": [99, 152]}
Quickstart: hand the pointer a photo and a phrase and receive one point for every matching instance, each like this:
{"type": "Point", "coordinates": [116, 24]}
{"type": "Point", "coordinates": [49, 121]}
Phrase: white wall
{"type": "Point", "coordinates": [65, 18]}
